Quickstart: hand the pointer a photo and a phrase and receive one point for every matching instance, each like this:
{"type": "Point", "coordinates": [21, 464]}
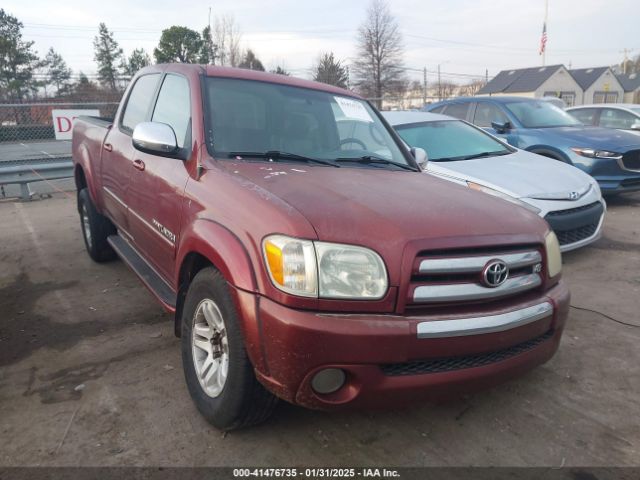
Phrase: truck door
{"type": "Point", "coordinates": [157, 184]}
{"type": "Point", "coordinates": [117, 151]}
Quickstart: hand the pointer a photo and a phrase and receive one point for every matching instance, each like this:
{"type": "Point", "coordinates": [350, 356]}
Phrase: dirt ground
{"type": "Point", "coordinates": [90, 373]}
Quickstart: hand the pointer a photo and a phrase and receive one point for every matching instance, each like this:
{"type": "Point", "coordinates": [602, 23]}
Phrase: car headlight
{"type": "Point", "coordinates": [324, 270]}
{"type": "Point", "coordinates": [554, 257]}
{"type": "Point", "coordinates": [504, 196]}
{"type": "Point", "coordinates": [593, 153]}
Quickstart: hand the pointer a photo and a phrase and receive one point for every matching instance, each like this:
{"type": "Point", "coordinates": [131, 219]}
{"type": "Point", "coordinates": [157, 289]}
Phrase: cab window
{"type": "Point", "coordinates": [173, 107]}
{"type": "Point", "coordinates": [139, 102]}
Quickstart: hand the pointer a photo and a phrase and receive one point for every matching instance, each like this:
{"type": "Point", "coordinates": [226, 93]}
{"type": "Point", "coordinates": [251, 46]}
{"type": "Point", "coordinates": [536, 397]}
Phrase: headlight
{"type": "Point", "coordinates": [324, 270]}
{"type": "Point", "coordinates": [593, 153]}
{"type": "Point", "coordinates": [347, 271]}
{"type": "Point", "coordinates": [554, 257]}
{"type": "Point", "coordinates": [504, 196]}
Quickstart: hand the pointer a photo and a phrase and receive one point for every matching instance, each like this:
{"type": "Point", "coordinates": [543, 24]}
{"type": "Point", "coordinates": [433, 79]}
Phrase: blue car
{"type": "Point", "coordinates": [612, 157]}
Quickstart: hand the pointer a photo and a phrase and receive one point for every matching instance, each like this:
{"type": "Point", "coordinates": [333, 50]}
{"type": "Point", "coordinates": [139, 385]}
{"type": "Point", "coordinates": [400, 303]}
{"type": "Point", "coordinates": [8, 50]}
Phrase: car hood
{"type": "Point", "coordinates": [594, 137]}
{"type": "Point", "coordinates": [520, 174]}
{"type": "Point", "coordinates": [384, 209]}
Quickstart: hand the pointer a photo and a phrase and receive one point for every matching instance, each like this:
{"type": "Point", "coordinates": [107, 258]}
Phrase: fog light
{"type": "Point", "coordinates": [328, 380]}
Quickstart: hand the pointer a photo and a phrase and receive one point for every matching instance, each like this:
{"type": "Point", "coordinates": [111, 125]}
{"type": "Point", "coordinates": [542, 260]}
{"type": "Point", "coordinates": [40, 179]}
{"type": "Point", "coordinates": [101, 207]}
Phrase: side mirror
{"type": "Point", "coordinates": [421, 157]}
{"type": "Point", "coordinates": [636, 126]}
{"type": "Point", "coordinates": [155, 138]}
{"type": "Point", "coordinates": [501, 127]}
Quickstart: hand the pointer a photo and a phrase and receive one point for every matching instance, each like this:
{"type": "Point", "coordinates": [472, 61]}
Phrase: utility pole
{"type": "Point", "coordinates": [439, 85]}
{"type": "Point", "coordinates": [212, 58]}
{"type": "Point", "coordinates": [424, 84]}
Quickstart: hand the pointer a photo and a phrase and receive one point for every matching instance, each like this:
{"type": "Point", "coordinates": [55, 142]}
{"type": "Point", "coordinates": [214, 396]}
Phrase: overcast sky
{"type": "Point", "coordinates": [465, 36]}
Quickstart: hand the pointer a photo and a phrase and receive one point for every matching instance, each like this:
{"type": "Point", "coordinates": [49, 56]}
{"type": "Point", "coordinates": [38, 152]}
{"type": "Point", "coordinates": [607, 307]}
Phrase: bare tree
{"type": "Point", "coordinates": [227, 38]}
{"type": "Point", "coordinates": [471, 88]}
{"type": "Point", "coordinates": [378, 69]}
{"type": "Point", "coordinates": [446, 89]}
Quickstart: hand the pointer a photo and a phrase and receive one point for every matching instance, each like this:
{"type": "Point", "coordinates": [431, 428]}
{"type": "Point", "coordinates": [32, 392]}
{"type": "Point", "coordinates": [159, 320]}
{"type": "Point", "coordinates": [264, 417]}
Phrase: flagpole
{"type": "Point", "coordinates": [546, 17]}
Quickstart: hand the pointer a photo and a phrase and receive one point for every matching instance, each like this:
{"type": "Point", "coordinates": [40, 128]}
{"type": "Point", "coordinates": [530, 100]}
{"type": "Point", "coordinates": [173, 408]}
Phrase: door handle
{"type": "Point", "coordinates": [108, 147]}
{"type": "Point", "coordinates": [138, 164]}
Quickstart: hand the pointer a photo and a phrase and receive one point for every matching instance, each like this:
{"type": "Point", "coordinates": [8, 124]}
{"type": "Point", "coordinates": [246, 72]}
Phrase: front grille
{"type": "Point", "coordinates": [567, 237]}
{"type": "Point", "coordinates": [560, 213]}
{"type": "Point", "coordinates": [440, 277]}
{"type": "Point", "coordinates": [439, 365]}
{"type": "Point", "coordinates": [631, 160]}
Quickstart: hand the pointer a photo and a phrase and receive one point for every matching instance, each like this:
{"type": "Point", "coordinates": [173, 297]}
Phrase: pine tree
{"type": "Point", "coordinates": [251, 62]}
{"type": "Point", "coordinates": [329, 70]}
{"type": "Point", "coordinates": [57, 73]}
{"type": "Point", "coordinates": [18, 61]}
{"type": "Point", "coordinates": [136, 61]}
{"type": "Point", "coordinates": [108, 55]}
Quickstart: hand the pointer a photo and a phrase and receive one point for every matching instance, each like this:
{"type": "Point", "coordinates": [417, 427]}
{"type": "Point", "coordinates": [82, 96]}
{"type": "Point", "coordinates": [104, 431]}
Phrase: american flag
{"type": "Point", "coordinates": [543, 39]}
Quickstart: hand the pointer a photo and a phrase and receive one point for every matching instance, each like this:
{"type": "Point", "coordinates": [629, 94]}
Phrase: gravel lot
{"type": "Point", "coordinates": [90, 373]}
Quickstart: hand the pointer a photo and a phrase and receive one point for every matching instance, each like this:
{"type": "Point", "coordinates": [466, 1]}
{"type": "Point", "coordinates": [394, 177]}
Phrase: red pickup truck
{"type": "Point", "coordinates": [304, 253]}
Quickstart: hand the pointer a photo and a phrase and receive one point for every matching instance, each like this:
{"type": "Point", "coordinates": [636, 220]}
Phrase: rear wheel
{"type": "Point", "coordinates": [217, 370]}
{"type": "Point", "coordinates": [95, 229]}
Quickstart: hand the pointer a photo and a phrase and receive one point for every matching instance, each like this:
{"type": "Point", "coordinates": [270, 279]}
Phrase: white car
{"type": "Point", "coordinates": [623, 116]}
{"type": "Point", "coordinates": [566, 197]}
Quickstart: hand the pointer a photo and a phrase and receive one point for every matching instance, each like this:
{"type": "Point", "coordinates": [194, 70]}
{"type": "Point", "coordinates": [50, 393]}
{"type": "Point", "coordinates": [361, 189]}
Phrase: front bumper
{"type": "Point", "coordinates": [612, 176]}
{"type": "Point", "coordinates": [371, 349]}
{"type": "Point", "coordinates": [577, 227]}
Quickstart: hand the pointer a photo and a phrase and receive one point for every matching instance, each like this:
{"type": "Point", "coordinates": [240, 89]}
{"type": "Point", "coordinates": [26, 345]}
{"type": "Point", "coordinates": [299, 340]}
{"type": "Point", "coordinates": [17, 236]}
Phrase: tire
{"type": "Point", "coordinates": [228, 401]}
{"type": "Point", "coordinates": [95, 229]}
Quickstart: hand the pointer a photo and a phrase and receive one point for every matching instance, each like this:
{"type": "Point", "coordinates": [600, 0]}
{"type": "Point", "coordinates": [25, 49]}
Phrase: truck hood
{"type": "Point", "coordinates": [520, 174]}
{"type": "Point", "coordinates": [384, 209]}
{"type": "Point", "coordinates": [594, 137]}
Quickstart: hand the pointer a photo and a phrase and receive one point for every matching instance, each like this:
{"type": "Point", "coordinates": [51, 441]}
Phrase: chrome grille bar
{"type": "Point", "coordinates": [476, 264]}
{"type": "Point", "coordinates": [452, 292]}
{"type": "Point", "coordinates": [489, 324]}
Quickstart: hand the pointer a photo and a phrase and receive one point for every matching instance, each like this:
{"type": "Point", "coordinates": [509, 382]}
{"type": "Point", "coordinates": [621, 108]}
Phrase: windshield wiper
{"type": "Point", "coordinates": [368, 159]}
{"type": "Point", "coordinates": [276, 155]}
{"type": "Point", "coordinates": [486, 154]}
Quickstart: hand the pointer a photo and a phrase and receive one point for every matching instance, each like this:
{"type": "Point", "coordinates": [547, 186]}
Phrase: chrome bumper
{"type": "Point", "coordinates": [479, 325]}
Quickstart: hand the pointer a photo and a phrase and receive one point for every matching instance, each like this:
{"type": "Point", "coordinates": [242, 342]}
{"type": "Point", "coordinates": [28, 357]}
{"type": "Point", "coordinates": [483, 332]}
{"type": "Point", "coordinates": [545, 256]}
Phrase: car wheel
{"type": "Point", "coordinates": [217, 370]}
{"type": "Point", "coordinates": [96, 228]}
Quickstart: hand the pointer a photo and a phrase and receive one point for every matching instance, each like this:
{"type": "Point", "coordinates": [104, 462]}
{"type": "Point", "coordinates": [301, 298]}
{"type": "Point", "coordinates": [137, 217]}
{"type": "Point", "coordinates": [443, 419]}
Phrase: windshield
{"type": "Point", "coordinates": [259, 117]}
{"type": "Point", "coordinates": [541, 114]}
{"type": "Point", "coordinates": [448, 140]}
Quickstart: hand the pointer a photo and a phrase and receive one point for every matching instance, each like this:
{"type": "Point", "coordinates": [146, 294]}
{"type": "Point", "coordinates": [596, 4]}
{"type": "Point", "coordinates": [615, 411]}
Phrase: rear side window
{"type": "Point", "coordinates": [585, 115]}
{"type": "Point", "coordinates": [139, 101]}
{"type": "Point", "coordinates": [438, 110]}
{"type": "Point", "coordinates": [487, 113]}
{"type": "Point", "coordinates": [457, 110]}
{"type": "Point", "coordinates": [613, 118]}
{"type": "Point", "coordinates": [174, 107]}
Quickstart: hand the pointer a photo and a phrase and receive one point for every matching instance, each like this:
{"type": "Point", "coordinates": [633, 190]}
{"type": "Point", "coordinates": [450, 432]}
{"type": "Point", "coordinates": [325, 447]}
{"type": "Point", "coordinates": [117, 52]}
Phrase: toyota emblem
{"type": "Point", "coordinates": [495, 273]}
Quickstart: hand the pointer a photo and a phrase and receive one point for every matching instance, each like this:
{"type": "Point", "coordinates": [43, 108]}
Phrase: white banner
{"type": "Point", "coordinates": [63, 121]}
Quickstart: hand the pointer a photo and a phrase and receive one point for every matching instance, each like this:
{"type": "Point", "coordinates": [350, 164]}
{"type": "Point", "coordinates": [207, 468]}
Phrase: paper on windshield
{"type": "Point", "coordinates": [353, 109]}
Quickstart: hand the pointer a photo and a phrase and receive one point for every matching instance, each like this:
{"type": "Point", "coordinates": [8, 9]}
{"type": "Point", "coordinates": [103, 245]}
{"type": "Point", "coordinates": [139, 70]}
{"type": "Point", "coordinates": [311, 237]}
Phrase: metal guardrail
{"type": "Point", "coordinates": [24, 172]}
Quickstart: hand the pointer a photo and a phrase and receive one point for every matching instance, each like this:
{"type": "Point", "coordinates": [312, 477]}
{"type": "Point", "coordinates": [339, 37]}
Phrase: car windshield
{"type": "Point", "coordinates": [450, 140]}
{"type": "Point", "coordinates": [260, 120]}
{"type": "Point", "coordinates": [541, 114]}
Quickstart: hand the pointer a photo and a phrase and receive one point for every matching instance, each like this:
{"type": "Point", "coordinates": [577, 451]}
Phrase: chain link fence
{"type": "Point", "coordinates": [35, 145]}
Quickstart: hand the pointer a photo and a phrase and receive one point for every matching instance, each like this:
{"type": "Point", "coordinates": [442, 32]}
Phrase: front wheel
{"type": "Point", "coordinates": [217, 370]}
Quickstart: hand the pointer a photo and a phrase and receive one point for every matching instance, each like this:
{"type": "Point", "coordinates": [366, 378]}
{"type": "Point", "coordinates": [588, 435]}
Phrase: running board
{"type": "Point", "coordinates": [140, 267]}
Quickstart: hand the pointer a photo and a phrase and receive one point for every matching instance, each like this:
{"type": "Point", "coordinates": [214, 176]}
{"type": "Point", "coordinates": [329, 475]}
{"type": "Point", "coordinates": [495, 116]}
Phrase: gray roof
{"type": "Point", "coordinates": [630, 82]}
{"type": "Point", "coordinates": [520, 80]}
{"type": "Point", "coordinates": [586, 76]}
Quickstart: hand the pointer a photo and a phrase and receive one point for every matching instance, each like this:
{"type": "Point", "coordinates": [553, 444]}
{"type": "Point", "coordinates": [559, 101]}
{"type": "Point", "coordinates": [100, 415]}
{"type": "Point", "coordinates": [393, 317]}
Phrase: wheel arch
{"type": "Point", "coordinates": [551, 152]}
{"type": "Point", "coordinates": [208, 244]}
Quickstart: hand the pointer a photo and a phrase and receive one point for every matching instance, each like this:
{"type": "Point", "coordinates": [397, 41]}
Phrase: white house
{"type": "Point", "coordinates": [599, 85]}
